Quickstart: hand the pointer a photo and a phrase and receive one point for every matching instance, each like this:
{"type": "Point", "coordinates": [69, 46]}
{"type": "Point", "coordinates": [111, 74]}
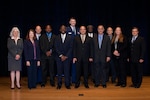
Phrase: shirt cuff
{"type": "Point", "coordinates": [60, 55]}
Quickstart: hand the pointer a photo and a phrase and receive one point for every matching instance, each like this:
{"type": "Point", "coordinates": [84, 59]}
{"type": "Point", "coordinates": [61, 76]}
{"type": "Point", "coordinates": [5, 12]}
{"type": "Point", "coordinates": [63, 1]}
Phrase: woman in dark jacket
{"type": "Point", "coordinates": [15, 48]}
{"type": "Point", "coordinates": [119, 51]}
{"type": "Point", "coordinates": [32, 57]}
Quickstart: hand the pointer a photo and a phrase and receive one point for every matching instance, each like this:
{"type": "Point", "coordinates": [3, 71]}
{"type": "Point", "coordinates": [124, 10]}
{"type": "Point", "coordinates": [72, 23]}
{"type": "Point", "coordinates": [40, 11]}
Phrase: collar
{"type": "Point", "coordinates": [48, 32]}
{"type": "Point", "coordinates": [72, 26]}
{"type": "Point", "coordinates": [135, 36]}
{"type": "Point", "coordinates": [37, 34]}
{"type": "Point", "coordinates": [100, 34]}
{"type": "Point", "coordinates": [63, 33]}
{"type": "Point", "coordinates": [14, 37]}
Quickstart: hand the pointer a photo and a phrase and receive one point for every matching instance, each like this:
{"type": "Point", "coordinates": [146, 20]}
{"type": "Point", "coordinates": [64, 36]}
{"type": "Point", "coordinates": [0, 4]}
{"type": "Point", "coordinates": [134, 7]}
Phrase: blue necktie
{"type": "Point", "coordinates": [49, 36]}
{"type": "Point", "coordinates": [100, 41]}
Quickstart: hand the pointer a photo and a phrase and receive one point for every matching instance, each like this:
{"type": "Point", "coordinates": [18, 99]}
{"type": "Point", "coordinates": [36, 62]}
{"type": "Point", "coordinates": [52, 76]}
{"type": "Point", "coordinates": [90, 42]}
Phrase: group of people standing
{"type": "Point", "coordinates": [77, 52]}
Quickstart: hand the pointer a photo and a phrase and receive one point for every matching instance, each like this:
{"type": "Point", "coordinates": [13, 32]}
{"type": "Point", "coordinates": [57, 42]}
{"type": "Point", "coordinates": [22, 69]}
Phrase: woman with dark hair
{"type": "Point", "coordinates": [32, 57]}
{"type": "Point", "coordinates": [119, 50]}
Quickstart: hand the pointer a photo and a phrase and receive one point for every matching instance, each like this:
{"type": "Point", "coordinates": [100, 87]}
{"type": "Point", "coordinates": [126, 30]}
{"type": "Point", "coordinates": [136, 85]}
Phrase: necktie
{"type": "Point", "coordinates": [133, 39]}
{"type": "Point", "coordinates": [82, 38]}
{"type": "Point", "coordinates": [74, 30]}
{"type": "Point", "coordinates": [100, 41]}
{"type": "Point", "coordinates": [49, 36]}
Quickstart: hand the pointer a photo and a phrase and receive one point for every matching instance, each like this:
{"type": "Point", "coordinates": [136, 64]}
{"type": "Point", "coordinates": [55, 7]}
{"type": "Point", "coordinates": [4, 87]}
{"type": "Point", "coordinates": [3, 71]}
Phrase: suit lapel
{"type": "Point", "coordinates": [66, 38]}
{"type": "Point", "coordinates": [96, 40]}
{"type": "Point", "coordinates": [86, 37]}
{"type": "Point", "coordinates": [79, 38]}
{"type": "Point", "coordinates": [60, 39]}
{"type": "Point", "coordinates": [136, 39]}
{"type": "Point", "coordinates": [46, 37]}
{"type": "Point", "coordinates": [103, 41]}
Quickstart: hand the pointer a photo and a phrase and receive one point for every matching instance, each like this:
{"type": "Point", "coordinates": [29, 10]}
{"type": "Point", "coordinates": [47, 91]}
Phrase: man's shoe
{"type": "Point", "coordinates": [96, 85]}
{"type": "Point", "coordinates": [59, 87]}
{"type": "Point", "coordinates": [104, 86]}
{"type": "Point", "coordinates": [86, 86]}
{"type": "Point", "coordinates": [68, 87]}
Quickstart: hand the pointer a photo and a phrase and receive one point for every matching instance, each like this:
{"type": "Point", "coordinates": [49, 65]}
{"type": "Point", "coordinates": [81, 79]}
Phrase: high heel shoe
{"type": "Point", "coordinates": [12, 88]}
{"type": "Point", "coordinates": [18, 87]}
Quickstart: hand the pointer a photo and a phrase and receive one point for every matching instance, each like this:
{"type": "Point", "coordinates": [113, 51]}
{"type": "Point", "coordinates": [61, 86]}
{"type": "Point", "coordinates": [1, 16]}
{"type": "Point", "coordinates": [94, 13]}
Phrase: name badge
{"type": "Point", "coordinates": [69, 32]}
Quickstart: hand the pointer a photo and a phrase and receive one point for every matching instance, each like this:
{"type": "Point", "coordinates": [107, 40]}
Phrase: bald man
{"type": "Point", "coordinates": [38, 31]}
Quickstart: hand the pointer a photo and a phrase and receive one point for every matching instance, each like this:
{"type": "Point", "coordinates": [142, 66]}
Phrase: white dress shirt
{"type": "Point", "coordinates": [63, 36]}
{"type": "Point", "coordinates": [90, 35]}
{"type": "Point", "coordinates": [38, 36]}
{"type": "Point", "coordinates": [73, 29]}
{"type": "Point", "coordinates": [134, 38]}
{"type": "Point", "coordinates": [82, 38]}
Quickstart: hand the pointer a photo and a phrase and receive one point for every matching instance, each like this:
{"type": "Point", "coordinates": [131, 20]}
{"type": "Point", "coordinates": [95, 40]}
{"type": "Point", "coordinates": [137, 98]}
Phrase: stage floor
{"type": "Point", "coordinates": [51, 93]}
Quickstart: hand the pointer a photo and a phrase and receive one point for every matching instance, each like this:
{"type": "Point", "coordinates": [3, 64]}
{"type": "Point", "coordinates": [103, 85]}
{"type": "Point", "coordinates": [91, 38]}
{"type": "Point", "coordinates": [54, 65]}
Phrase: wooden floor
{"type": "Point", "coordinates": [51, 93]}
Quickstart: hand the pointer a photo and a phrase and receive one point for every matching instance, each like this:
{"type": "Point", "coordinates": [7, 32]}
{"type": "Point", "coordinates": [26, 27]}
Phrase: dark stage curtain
{"type": "Point", "coordinates": [26, 14]}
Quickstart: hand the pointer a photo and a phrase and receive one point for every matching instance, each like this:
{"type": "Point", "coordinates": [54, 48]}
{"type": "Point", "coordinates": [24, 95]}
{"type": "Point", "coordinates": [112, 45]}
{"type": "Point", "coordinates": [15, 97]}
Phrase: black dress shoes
{"type": "Point", "coordinates": [59, 87]}
{"type": "Point", "coordinates": [96, 85]}
{"type": "Point", "coordinates": [52, 84]}
{"type": "Point", "coordinates": [86, 86]}
{"type": "Point", "coordinates": [137, 86]}
{"type": "Point", "coordinates": [76, 85]}
{"type": "Point", "coordinates": [42, 85]}
{"type": "Point", "coordinates": [123, 85]}
{"type": "Point", "coordinates": [68, 87]}
{"type": "Point", "coordinates": [104, 86]}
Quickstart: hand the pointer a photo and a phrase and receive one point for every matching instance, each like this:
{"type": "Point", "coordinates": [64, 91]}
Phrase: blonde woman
{"type": "Point", "coordinates": [119, 50]}
{"type": "Point", "coordinates": [15, 48]}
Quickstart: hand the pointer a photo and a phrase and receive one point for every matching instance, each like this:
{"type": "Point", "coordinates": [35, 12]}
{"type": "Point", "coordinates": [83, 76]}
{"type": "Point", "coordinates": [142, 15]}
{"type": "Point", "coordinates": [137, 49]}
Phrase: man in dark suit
{"type": "Point", "coordinates": [91, 34]}
{"type": "Point", "coordinates": [82, 54]}
{"type": "Point", "coordinates": [136, 58]}
{"type": "Point", "coordinates": [110, 68]}
{"type": "Point", "coordinates": [102, 54]}
{"type": "Point", "coordinates": [47, 57]}
{"type": "Point", "coordinates": [38, 33]}
{"type": "Point", "coordinates": [63, 46]}
{"type": "Point", "coordinates": [73, 30]}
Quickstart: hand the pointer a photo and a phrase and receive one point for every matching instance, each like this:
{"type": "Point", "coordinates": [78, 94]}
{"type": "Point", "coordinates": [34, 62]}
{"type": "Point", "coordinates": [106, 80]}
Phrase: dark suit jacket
{"type": "Point", "coordinates": [14, 49]}
{"type": "Point", "coordinates": [137, 49]}
{"type": "Point", "coordinates": [82, 50]}
{"type": "Point", "coordinates": [105, 51]}
{"type": "Point", "coordinates": [45, 45]}
{"type": "Point", "coordinates": [64, 48]}
{"type": "Point", "coordinates": [122, 48]}
{"type": "Point", "coordinates": [70, 32]}
{"type": "Point", "coordinates": [29, 50]}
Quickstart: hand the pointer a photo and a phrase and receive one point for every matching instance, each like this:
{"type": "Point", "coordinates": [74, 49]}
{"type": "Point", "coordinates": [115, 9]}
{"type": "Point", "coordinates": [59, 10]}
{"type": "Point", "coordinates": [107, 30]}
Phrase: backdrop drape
{"type": "Point", "coordinates": [25, 14]}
